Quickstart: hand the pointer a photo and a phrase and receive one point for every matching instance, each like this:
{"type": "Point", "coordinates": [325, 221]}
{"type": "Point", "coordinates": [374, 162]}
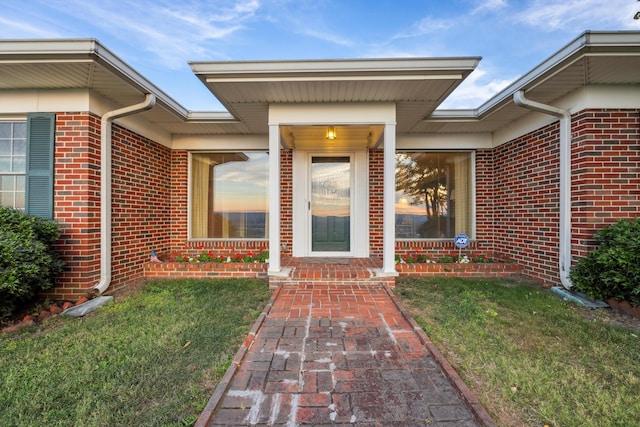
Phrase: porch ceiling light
{"type": "Point", "coordinates": [331, 133]}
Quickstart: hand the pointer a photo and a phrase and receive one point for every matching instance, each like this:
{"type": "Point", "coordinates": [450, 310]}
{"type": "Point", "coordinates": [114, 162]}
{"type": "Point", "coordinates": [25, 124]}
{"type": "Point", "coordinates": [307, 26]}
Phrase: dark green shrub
{"type": "Point", "coordinates": [613, 269]}
{"type": "Point", "coordinates": [28, 261]}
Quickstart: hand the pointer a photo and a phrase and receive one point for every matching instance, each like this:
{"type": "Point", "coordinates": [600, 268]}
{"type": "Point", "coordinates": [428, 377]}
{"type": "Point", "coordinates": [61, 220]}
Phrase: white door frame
{"type": "Point", "coordinates": [359, 223]}
{"type": "Point", "coordinates": [335, 115]}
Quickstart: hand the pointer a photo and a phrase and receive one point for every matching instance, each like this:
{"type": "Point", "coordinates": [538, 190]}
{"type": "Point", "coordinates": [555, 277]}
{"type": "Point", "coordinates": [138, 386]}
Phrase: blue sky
{"type": "Point", "coordinates": [159, 37]}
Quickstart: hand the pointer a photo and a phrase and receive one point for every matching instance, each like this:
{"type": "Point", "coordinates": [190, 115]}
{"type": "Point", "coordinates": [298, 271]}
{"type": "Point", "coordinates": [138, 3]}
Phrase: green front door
{"type": "Point", "coordinates": [330, 204]}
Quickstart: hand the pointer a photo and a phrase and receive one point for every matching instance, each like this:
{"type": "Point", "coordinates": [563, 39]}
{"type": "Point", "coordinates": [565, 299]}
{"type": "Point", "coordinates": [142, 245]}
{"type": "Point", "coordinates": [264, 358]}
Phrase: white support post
{"type": "Point", "coordinates": [389, 213]}
{"type": "Point", "coordinates": [274, 199]}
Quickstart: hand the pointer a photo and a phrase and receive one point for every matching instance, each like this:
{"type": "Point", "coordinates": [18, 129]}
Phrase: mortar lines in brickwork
{"type": "Point", "coordinates": [337, 354]}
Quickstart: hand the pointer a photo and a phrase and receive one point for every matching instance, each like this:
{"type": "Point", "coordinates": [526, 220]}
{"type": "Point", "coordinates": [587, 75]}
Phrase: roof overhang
{"type": "Point", "coordinates": [592, 59]}
{"type": "Point", "coordinates": [70, 64]}
{"type": "Point", "coordinates": [75, 64]}
{"type": "Point", "coordinates": [416, 85]}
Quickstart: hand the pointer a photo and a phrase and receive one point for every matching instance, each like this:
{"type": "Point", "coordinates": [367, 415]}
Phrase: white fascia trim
{"type": "Point", "coordinates": [332, 114]}
{"type": "Point", "coordinates": [39, 100]}
{"type": "Point", "coordinates": [364, 77]}
{"type": "Point", "coordinates": [544, 67]}
{"type": "Point", "coordinates": [29, 47]}
{"type": "Point", "coordinates": [462, 141]}
{"type": "Point", "coordinates": [373, 67]}
{"type": "Point", "coordinates": [456, 116]}
{"type": "Point", "coordinates": [211, 117]}
{"type": "Point", "coordinates": [220, 142]}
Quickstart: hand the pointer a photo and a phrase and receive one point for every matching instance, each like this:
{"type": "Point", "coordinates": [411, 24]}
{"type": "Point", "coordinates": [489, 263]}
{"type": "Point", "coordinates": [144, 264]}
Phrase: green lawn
{"type": "Point", "coordinates": [530, 357]}
{"type": "Point", "coordinates": [149, 359]}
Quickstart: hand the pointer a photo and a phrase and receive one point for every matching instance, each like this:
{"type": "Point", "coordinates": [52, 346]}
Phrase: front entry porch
{"type": "Point", "coordinates": [331, 271]}
{"type": "Point", "coordinates": [326, 196]}
{"type": "Point", "coordinates": [326, 270]}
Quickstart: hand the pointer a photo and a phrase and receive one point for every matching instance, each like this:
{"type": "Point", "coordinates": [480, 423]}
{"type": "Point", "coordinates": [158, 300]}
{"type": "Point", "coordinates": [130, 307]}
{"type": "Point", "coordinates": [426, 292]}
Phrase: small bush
{"type": "Point", "coordinates": [613, 269]}
{"type": "Point", "coordinates": [28, 262]}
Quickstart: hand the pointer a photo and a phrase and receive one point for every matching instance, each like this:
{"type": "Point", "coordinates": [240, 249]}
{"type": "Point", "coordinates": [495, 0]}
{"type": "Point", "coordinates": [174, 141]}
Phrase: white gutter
{"type": "Point", "coordinates": [565, 179]}
{"type": "Point", "coordinates": [105, 185]}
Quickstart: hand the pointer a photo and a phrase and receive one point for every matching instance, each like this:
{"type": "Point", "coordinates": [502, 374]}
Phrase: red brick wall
{"type": "Point", "coordinates": [140, 203]}
{"type": "Point", "coordinates": [606, 172]}
{"type": "Point", "coordinates": [141, 220]}
{"type": "Point", "coordinates": [605, 187]}
{"type": "Point", "coordinates": [516, 198]}
{"type": "Point", "coordinates": [179, 203]}
{"type": "Point", "coordinates": [485, 221]}
{"type": "Point", "coordinates": [286, 202]}
{"type": "Point", "coordinates": [526, 201]}
{"type": "Point", "coordinates": [77, 202]}
{"type": "Point", "coordinates": [376, 187]}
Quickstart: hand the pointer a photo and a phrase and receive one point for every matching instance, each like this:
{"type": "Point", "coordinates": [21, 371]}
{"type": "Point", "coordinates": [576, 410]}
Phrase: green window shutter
{"type": "Point", "coordinates": [39, 177]}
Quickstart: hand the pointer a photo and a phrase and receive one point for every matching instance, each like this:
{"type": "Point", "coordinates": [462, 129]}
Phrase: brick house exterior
{"type": "Point", "coordinates": [605, 186]}
{"type": "Point", "coordinates": [515, 152]}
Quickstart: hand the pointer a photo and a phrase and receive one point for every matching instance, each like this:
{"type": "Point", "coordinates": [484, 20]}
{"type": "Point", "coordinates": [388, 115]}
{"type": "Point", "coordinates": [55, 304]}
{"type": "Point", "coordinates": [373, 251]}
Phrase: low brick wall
{"type": "Point", "coordinates": [489, 269]}
{"type": "Point", "coordinates": [176, 270]}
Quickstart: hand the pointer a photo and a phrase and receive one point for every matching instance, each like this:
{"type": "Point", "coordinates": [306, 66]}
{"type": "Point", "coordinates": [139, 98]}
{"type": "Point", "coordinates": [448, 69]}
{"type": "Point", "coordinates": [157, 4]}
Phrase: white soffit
{"type": "Point", "coordinates": [56, 65]}
{"type": "Point", "coordinates": [602, 59]}
{"type": "Point", "coordinates": [246, 88]}
{"type": "Point", "coordinates": [416, 85]}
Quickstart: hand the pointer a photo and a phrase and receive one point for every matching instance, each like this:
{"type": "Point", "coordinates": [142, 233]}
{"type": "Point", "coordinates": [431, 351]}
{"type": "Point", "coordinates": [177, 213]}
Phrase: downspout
{"type": "Point", "coordinates": [105, 185]}
{"type": "Point", "coordinates": [565, 179]}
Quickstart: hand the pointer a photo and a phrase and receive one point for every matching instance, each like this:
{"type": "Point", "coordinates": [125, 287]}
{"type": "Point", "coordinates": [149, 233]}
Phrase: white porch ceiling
{"type": "Point", "coordinates": [314, 137]}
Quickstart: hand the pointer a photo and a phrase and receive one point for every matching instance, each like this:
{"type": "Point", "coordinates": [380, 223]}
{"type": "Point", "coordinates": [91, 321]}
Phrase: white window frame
{"type": "Point", "coordinates": [13, 173]}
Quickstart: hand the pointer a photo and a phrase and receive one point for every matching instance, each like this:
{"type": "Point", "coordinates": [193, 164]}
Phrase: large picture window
{"type": "Point", "coordinates": [433, 194]}
{"type": "Point", "coordinates": [229, 195]}
{"type": "Point", "coordinates": [13, 150]}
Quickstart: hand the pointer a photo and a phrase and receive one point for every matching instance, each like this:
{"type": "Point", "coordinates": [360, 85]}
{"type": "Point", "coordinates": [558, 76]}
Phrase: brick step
{"type": "Point", "coordinates": [331, 275]}
{"type": "Point", "coordinates": [274, 282]}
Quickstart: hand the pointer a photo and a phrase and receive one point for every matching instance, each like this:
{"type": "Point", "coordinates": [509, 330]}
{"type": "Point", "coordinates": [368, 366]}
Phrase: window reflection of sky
{"type": "Point", "coordinates": [405, 207]}
{"type": "Point", "coordinates": [242, 185]}
{"type": "Point", "coordinates": [331, 189]}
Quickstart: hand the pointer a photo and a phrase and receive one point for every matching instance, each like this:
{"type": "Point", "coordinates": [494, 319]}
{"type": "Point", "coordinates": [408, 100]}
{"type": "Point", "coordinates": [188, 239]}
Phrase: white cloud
{"type": "Point", "coordinates": [327, 36]}
{"type": "Point", "coordinates": [485, 5]}
{"type": "Point", "coordinates": [313, 19]}
{"type": "Point", "coordinates": [427, 25]}
{"type": "Point", "coordinates": [10, 28]}
{"type": "Point", "coordinates": [478, 88]}
{"type": "Point", "coordinates": [172, 35]}
{"type": "Point", "coordinates": [197, 15]}
{"type": "Point", "coordinates": [578, 15]}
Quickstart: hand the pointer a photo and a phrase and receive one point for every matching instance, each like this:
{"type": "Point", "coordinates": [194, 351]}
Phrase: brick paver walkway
{"type": "Point", "coordinates": [338, 355]}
